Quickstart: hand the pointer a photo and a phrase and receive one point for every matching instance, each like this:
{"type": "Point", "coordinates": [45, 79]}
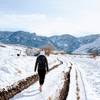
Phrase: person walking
{"type": "Point", "coordinates": [41, 66]}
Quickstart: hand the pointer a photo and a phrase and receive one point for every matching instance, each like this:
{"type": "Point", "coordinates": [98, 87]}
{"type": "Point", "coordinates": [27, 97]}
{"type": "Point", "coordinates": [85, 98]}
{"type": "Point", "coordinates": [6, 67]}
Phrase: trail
{"type": "Point", "coordinates": [23, 84]}
{"type": "Point", "coordinates": [51, 88]}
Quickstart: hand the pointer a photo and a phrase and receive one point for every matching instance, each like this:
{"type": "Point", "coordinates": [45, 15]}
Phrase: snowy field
{"type": "Point", "coordinates": [14, 68]}
{"type": "Point", "coordinates": [90, 71]}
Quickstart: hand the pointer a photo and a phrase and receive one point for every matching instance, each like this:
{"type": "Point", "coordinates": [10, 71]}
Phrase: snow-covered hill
{"type": "Point", "coordinates": [88, 39]}
{"type": "Point", "coordinates": [89, 47]}
{"type": "Point", "coordinates": [66, 42]}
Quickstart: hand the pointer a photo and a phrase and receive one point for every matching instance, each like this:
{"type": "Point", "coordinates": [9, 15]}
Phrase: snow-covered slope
{"type": "Point", "coordinates": [66, 42]}
{"type": "Point", "coordinates": [88, 48]}
{"type": "Point", "coordinates": [88, 39]}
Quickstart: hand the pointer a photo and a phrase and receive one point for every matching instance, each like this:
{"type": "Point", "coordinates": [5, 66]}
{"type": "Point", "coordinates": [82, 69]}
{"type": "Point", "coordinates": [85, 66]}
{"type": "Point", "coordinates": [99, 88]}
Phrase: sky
{"type": "Point", "coordinates": [50, 17]}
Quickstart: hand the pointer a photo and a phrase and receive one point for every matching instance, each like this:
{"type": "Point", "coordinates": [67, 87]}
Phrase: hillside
{"type": "Point", "coordinates": [66, 42]}
{"type": "Point", "coordinates": [89, 47]}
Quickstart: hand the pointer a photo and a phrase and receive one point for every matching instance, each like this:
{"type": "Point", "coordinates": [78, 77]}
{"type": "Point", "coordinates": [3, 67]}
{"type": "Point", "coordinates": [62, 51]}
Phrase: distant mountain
{"type": "Point", "coordinates": [89, 47]}
{"type": "Point", "coordinates": [23, 38]}
{"type": "Point", "coordinates": [67, 43]}
{"type": "Point", "coordinates": [4, 36]}
{"type": "Point", "coordinates": [88, 39]}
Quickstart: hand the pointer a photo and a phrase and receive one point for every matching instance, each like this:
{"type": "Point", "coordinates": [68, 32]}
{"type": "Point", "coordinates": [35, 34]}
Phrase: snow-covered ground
{"type": "Point", "coordinates": [90, 72]}
{"type": "Point", "coordinates": [14, 68]}
{"type": "Point", "coordinates": [53, 84]}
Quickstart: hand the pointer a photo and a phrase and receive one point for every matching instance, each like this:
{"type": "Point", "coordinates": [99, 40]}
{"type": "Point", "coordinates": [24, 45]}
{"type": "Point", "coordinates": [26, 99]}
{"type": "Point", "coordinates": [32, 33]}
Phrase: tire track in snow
{"type": "Point", "coordinates": [77, 87]}
{"type": "Point", "coordinates": [78, 78]}
{"type": "Point", "coordinates": [78, 72]}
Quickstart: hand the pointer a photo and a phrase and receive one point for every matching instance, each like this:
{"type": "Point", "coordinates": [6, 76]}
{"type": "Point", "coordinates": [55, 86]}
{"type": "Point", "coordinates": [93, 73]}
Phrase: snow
{"type": "Point", "coordinates": [89, 69]}
{"type": "Point", "coordinates": [72, 89]}
{"type": "Point", "coordinates": [14, 68]}
{"type": "Point", "coordinates": [84, 48]}
{"type": "Point", "coordinates": [51, 88]}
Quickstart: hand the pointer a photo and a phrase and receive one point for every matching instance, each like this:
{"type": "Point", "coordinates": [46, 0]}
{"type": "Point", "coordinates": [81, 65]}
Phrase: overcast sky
{"type": "Point", "coordinates": [49, 17]}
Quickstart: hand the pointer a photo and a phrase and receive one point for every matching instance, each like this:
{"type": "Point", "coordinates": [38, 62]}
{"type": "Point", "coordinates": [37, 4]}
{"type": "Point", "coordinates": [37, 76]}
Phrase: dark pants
{"type": "Point", "coordinates": [41, 73]}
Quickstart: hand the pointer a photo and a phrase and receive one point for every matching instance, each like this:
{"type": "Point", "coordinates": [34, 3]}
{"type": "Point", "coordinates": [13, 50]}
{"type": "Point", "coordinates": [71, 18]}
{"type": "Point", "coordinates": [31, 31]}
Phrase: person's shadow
{"type": "Point", "coordinates": [27, 94]}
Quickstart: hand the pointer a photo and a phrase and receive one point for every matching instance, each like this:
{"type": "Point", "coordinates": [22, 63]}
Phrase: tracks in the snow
{"type": "Point", "coordinates": [78, 79]}
{"type": "Point", "coordinates": [21, 85]}
{"type": "Point", "coordinates": [78, 88]}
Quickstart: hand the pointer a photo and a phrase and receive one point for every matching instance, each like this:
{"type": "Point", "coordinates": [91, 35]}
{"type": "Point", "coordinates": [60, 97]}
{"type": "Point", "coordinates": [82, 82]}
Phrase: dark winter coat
{"type": "Point", "coordinates": [41, 63]}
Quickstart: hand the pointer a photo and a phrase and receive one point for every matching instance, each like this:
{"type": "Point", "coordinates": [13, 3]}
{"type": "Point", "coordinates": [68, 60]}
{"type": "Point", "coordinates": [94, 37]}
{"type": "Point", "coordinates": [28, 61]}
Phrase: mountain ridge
{"type": "Point", "coordinates": [65, 42]}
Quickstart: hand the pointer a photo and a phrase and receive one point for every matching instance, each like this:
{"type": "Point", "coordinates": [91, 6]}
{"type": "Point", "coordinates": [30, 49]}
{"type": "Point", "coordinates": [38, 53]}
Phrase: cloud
{"type": "Point", "coordinates": [51, 17]}
{"type": "Point", "coordinates": [38, 23]}
{"type": "Point", "coordinates": [46, 25]}
{"type": "Point", "coordinates": [24, 22]}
